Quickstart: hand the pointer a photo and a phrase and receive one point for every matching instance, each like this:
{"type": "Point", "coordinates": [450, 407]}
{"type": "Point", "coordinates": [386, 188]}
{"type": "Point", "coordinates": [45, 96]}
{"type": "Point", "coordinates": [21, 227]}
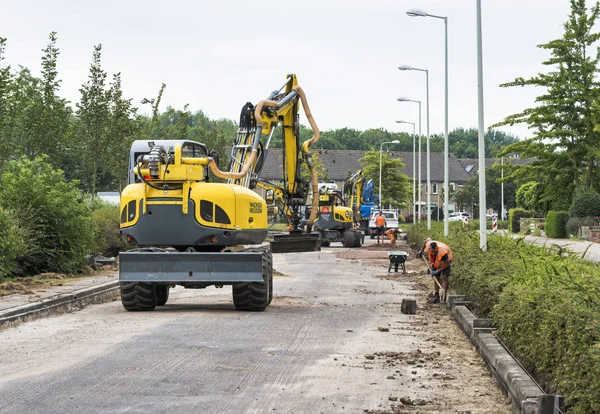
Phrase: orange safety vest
{"type": "Point", "coordinates": [443, 249]}
{"type": "Point", "coordinates": [426, 248]}
{"type": "Point", "coordinates": [379, 221]}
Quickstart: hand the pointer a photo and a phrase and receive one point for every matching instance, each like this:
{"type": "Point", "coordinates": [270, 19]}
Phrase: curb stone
{"type": "Point", "coordinates": [58, 303]}
{"type": "Point", "coordinates": [526, 395]}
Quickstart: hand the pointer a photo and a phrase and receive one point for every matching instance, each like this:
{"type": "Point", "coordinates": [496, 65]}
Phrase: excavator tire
{"type": "Point", "coordinates": [254, 296]}
{"type": "Point", "coordinates": [359, 238]}
{"type": "Point", "coordinates": [349, 239]}
{"type": "Point", "coordinates": [270, 267]}
{"type": "Point", "coordinates": [138, 296]}
{"type": "Point", "coordinates": [162, 295]}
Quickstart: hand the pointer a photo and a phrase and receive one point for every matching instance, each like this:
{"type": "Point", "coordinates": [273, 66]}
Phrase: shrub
{"type": "Point", "coordinates": [55, 220]}
{"type": "Point", "coordinates": [107, 239]}
{"type": "Point", "coordinates": [12, 243]}
{"type": "Point", "coordinates": [575, 223]}
{"type": "Point", "coordinates": [556, 224]}
{"type": "Point", "coordinates": [514, 217]}
{"type": "Point", "coordinates": [585, 205]}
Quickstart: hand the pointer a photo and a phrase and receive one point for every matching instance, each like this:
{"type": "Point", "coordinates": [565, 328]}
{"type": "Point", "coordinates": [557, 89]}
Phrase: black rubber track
{"type": "Point", "coordinates": [162, 295]}
{"type": "Point", "coordinates": [138, 296]}
{"type": "Point", "coordinates": [254, 296]}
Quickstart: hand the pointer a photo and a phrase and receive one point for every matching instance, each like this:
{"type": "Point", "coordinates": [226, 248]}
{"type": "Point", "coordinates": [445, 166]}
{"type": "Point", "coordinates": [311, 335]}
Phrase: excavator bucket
{"type": "Point", "coordinates": [296, 242]}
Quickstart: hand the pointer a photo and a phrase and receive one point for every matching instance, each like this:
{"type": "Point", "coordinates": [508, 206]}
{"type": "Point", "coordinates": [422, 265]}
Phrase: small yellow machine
{"type": "Point", "coordinates": [170, 201]}
{"type": "Point", "coordinates": [335, 220]}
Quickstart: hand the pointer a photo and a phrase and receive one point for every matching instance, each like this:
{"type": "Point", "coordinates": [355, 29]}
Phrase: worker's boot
{"type": "Point", "coordinates": [435, 298]}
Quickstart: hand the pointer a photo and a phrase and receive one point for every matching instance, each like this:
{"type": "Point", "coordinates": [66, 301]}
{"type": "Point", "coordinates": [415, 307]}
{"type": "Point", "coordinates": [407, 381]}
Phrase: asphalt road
{"type": "Point", "coordinates": [322, 346]}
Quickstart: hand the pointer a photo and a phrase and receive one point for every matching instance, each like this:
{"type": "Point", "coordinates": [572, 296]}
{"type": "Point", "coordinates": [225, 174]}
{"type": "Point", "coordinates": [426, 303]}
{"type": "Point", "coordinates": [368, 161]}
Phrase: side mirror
{"type": "Point", "coordinates": [270, 197]}
{"type": "Point", "coordinates": [215, 156]}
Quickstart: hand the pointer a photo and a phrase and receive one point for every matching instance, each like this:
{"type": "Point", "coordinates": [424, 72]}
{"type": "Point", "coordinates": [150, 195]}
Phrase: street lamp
{"type": "Point", "coordinates": [482, 206]}
{"type": "Point", "coordinates": [380, 156]}
{"type": "Point", "coordinates": [421, 13]}
{"type": "Point", "coordinates": [407, 67]}
{"type": "Point", "coordinates": [419, 194]}
{"type": "Point", "coordinates": [414, 167]}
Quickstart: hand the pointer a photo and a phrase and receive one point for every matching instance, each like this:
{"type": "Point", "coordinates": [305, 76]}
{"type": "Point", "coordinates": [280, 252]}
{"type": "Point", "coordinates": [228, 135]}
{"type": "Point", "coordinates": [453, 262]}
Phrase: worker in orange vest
{"type": "Point", "coordinates": [380, 224]}
{"type": "Point", "coordinates": [393, 235]}
{"type": "Point", "coordinates": [440, 259]}
{"type": "Point", "coordinates": [425, 248]}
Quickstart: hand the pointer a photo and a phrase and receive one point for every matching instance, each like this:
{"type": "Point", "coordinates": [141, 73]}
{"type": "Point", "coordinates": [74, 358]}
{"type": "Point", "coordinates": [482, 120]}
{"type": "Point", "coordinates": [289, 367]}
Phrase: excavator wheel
{"type": "Point", "coordinates": [270, 267]}
{"type": "Point", "coordinates": [254, 296]}
{"type": "Point", "coordinates": [349, 239]}
{"type": "Point", "coordinates": [138, 296]}
{"type": "Point", "coordinates": [359, 238]}
{"type": "Point", "coordinates": [162, 295]}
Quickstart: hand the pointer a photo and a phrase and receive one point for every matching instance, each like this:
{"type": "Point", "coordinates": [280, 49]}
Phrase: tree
{"type": "Point", "coordinates": [94, 115]}
{"type": "Point", "coordinates": [566, 136]}
{"type": "Point", "coordinates": [5, 85]}
{"type": "Point", "coordinates": [468, 196]}
{"type": "Point", "coordinates": [395, 184]}
{"type": "Point", "coordinates": [124, 127]}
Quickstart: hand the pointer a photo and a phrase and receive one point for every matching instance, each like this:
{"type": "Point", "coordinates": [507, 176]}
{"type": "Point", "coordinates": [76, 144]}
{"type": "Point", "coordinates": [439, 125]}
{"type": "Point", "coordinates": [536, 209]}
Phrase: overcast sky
{"type": "Point", "coordinates": [217, 55]}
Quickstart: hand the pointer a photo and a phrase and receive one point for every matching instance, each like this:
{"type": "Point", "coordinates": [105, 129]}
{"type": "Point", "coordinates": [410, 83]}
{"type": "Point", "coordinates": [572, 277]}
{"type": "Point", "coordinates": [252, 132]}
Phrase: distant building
{"type": "Point", "coordinates": [109, 197]}
{"type": "Point", "coordinates": [340, 162]}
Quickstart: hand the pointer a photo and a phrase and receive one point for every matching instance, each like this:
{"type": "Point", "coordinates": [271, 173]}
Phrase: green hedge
{"type": "Point", "coordinates": [585, 205]}
{"type": "Point", "coordinates": [556, 224]}
{"type": "Point", "coordinates": [514, 216]}
{"type": "Point", "coordinates": [544, 302]}
{"type": "Point", "coordinates": [12, 243]}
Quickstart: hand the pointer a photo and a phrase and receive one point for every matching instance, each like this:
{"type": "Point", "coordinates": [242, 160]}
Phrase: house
{"type": "Point", "coordinates": [339, 163]}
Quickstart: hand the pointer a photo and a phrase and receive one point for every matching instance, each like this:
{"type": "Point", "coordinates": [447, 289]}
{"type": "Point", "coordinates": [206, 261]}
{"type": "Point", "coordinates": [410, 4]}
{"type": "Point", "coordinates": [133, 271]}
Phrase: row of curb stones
{"type": "Point", "coordinates": [100, 293]}
{"type": "Point", "coordinates": [526, 395]}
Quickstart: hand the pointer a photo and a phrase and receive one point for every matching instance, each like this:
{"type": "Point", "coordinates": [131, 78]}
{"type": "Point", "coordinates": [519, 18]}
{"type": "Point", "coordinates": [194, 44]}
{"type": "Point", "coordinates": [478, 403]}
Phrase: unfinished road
{"type": "Point", "coordinates": [333, 340]}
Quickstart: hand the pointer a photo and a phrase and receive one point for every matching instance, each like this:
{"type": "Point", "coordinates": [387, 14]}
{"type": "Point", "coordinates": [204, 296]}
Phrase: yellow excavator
{"type": "Point", "coordinates": [188, 231]}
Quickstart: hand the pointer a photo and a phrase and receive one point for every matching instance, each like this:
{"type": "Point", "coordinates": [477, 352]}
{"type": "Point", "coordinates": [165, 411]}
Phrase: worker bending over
{"type": "Point", "coordinates": [393, 235]}
{"type": "Point", "coordinates": [440, 259]}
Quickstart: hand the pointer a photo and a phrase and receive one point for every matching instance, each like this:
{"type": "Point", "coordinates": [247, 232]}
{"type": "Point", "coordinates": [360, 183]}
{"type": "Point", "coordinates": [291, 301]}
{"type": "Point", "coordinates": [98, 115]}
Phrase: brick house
{"type": "Point", "coordinates": [339, 163]}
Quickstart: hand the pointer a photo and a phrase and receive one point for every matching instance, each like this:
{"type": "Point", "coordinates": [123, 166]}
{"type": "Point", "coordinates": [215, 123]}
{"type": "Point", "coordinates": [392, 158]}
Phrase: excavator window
{"type": "Point", "coordinates": [206, 210]}
{"type": "Point", "coordinates": [211, 212]}
{"type": "Point", "coordinates": [189, 150]}
{"type": "Point", "coordinates": [221, 216]}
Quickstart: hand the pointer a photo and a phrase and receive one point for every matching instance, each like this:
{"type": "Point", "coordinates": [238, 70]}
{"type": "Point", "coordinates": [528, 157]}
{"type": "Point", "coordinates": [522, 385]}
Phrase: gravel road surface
{"type": "Point", "coordinates": [332, 341]}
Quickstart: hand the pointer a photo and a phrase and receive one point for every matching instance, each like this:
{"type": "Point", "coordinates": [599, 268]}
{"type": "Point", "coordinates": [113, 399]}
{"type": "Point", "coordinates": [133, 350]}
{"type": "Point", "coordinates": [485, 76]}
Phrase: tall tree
{"type": "Point", "coordinates": [54, 125]}
{"type": "Point", "coordinates": [5, 84]}
{"type": "Point", "coordinates": [566, 141]}
{"type": "Point", "coordinates": [123, 128]}
{"type": "Point", "coordinates": [394, 184]}
{"type": "Point", "coordinates": [94, 115]}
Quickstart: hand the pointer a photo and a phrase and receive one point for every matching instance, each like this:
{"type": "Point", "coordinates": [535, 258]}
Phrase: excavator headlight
{"type": "Point", "coordinates": [226, 233]}
{"type": "Point", "coordinates": [130, 239]}
{"type": "Point", "coordinates": [213, 239]}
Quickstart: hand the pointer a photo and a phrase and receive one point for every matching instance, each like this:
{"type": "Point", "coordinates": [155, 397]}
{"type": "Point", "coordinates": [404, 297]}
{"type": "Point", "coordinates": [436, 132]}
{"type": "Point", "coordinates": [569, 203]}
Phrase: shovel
{"type": "Point", "coordinates": [442, 290]}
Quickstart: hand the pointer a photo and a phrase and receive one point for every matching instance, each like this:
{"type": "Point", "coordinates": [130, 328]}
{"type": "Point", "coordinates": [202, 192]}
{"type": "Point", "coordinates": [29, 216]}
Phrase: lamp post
{"type": "Point", "coordinates": [380, 156]}
{"type": "Point", "coordinates": [482, 206]}
{"type": "Point", "coordinates": [414, 168]}
{"type": "Point", "coordinates": [421, 13]}
{"type": "Point", "coordinates": [428, 190]}
{"type": "Point", "coordinates": [428, 157]}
